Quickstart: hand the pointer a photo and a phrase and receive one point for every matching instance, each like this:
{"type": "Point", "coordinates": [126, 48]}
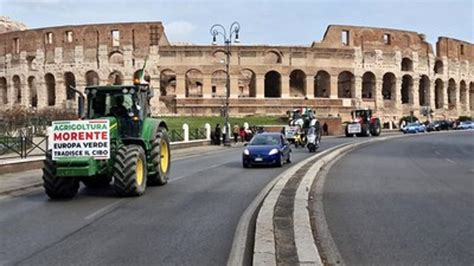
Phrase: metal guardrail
{"type": "Point", "coordinates": [24, 142]}
{"type": "Point", "coordinates": [22, 145]}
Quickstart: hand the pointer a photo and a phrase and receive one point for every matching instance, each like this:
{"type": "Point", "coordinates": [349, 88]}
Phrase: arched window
{"type": "Point", "coordinates": [439, 93]}
{"type": "Point", "coordinates": [194, 83]}
{"type": "Point", "coordinates": [92, 78]}
{"type": "Point", "coordinates": [424, 90]}
{"type": "Point", "coordinates": [167, 82]}
{"type": "Point", "coordinates": [247, 83]}
{"type": "Point", "coordinates": [322, 84]}
{"type": "Point", "coordinates": [345, 85]}
{"type": "Point", "coordinates": [406, 90]}
{"type": "Point", "coordinates": [368, 85]}
{"type": "Point", "coordinates": [407, 64]}
{"type": "Point", "coordinates": [70, 81]}
{"type": "Point", "coordinates": [389, 88]}
{"type": "Point", "coordinates": [50, 82]}
{"type": "Point", "coordinates": [297, 83]}
{"type": "Point", "coordinates": [272, 85]}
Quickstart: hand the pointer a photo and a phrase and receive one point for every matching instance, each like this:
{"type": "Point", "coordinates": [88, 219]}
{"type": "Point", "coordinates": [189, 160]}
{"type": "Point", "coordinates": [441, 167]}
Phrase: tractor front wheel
{"type": "Point", "coordinates": [130, 171]}
{"type": "Point", "coordinates": [58, 187]}
{"type": "Point", "coordinates": [160, 156]}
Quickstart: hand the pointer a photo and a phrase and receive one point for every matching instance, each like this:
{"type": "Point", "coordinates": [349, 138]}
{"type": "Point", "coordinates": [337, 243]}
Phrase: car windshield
{"type": "Point", "coordinates": [413, 124]}
{"type": "Point", "coordinates": [265, 140]}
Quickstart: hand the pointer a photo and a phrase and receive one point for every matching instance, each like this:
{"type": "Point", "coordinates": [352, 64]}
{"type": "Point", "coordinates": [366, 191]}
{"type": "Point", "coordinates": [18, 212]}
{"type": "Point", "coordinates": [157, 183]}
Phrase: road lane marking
{"type": "Point", "coordinates": [207, 168]}
{"type": "Point", "coordinates": [103, 210]}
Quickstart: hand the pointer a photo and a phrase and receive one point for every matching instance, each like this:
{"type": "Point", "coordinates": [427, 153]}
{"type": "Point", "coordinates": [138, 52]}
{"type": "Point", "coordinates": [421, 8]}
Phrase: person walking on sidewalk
{"type": "Point", "coordinates": [236, 132]}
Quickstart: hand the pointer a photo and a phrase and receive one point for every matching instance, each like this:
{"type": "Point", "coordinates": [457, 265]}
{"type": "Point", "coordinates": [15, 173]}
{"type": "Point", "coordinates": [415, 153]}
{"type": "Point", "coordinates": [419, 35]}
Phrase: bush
{"type": "Point", "coordinates": [408, 119]}
{"type": "Point", "coordinates": [464, 118]}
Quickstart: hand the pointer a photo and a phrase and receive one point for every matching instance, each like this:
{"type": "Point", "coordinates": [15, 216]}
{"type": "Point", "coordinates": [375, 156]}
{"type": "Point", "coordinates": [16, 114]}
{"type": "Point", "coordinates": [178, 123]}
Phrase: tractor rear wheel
{"type": "Point", "coordinates": [377, 129]}
{"type": "Point", "coordinates": [96, 181]}
{"type": "Point", "coordinates": [160, 156]}
{"type": "Point", "coordinates": [57, 187]}
{"type": "Point", "coordinates": [130, 171]}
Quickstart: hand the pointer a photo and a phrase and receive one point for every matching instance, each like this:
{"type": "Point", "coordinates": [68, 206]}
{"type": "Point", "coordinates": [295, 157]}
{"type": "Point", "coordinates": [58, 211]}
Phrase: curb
{"type": "Point", "coordinates": [304, 240]}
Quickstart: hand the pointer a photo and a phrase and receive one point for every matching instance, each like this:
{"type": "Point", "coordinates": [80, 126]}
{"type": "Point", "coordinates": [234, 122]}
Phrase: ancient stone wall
{"type": "Point", "coordinates": [394, 72]}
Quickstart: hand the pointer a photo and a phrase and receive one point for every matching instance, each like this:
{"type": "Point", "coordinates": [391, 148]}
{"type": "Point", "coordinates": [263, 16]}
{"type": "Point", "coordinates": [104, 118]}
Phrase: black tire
{"type": "Point", "coordinates": [129, 176]}
{"type": "Point", "coordinates": [162, 175]}
{"type": "Point", "coordinates": [347, 132]}
{"type": "Point", "coordinates": [245, 165]}
{"type": "Point", "coordinates": [288, 160]}
{"type": "Point", "coordinates": [58, 187]}
{"type": "Point", "coordinates": [96, 181]}
{"type": "Point", "coordinates": [377, 129]}
{"type": "Point", "coordinates": [279, 162]}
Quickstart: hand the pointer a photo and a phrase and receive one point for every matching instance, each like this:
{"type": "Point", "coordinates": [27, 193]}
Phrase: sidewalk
{"type": "Point", "coordinates": [29, 178]}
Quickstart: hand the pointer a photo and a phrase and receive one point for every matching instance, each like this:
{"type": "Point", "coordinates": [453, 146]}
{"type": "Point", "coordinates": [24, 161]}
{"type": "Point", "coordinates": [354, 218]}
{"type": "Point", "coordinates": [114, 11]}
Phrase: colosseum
{"type": "Point", "coordinates": [393, 72]}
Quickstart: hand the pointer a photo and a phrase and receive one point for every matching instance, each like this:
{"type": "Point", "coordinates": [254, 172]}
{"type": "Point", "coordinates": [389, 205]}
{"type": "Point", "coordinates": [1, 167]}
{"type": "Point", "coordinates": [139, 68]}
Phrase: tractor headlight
{"type": "Point", "coordinates": [246, 152]}
{"type": "Point", "coordinates": [273, 152]}
{"type": "Point", "coordinates": [124, 91]}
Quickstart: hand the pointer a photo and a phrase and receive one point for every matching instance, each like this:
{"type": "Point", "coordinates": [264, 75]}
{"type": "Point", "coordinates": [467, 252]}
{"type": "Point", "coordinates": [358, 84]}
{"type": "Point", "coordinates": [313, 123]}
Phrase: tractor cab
{"type": "Point", "coordinates": [361, 114]}
{"type": "Point", "coordinates": [128, 104]}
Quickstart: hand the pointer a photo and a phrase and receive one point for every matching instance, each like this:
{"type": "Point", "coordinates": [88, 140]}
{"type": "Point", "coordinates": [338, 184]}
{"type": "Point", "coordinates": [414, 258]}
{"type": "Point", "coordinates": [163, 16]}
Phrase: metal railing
{"type": "Point", "coordinates": [22, 145]}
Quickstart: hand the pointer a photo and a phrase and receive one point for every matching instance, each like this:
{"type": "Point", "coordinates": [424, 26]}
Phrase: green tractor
{"type": "Point", "coordinates": [136, 152]}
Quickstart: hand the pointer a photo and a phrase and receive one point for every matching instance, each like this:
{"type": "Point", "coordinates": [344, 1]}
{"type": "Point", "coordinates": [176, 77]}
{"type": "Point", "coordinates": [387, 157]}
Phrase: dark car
{"type": "Point", "coordinates": [266, 149]}
{"type": "Point", "coordinates": [439, 125]}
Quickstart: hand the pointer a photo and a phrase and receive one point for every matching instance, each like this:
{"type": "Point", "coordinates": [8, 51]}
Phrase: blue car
{"type": "Point", "coordinates": [267, 149]}
{"type": "Point", "coordinates": [465, 125]}
{"type": "Point", "coordinates": [414, 128]}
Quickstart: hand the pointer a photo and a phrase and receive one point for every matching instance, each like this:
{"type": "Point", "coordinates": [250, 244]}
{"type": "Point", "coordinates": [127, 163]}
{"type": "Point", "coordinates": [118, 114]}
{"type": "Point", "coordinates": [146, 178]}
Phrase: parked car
{"type": "Point", "coordinates": [267, 149]}
{"type": "Point", "coordinates": [414, 128]}
{"type": "Point", "coordinates": [439, 125]}
{"type": "Point", "coordinates": [465, 125]}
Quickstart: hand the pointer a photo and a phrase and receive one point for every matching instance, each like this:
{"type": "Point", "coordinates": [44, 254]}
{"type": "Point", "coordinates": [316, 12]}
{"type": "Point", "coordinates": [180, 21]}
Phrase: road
{"type": "Point", "coordinates": [190, 221]}
{"type": "Point", "coordinates": [405, 201]}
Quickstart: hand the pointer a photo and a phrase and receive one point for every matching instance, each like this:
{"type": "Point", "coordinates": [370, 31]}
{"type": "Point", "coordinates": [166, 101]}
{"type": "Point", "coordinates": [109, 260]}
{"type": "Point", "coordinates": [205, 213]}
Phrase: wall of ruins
{"type": "Point", "coordinates": [392, 71]}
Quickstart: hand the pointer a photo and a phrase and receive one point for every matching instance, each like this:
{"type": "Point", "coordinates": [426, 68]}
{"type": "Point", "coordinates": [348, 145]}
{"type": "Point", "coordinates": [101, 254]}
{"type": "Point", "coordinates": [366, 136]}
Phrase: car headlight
{"type": "Point", "coordinates": [273, 151]}
{"type": "Point", "coordinates": [246, 152]}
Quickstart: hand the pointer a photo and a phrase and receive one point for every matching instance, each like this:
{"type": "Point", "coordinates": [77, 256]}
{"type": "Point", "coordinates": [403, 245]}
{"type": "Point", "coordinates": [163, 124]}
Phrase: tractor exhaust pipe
{"type": "Point", "coordinates": [81, 101]}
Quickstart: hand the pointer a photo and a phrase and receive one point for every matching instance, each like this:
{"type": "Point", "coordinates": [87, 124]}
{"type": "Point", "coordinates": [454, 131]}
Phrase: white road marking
{"type": "Point", "coordinates": [102, 210]}
{"type": "Point", "coordinates": [451, 161]}
{"type": "Point", "coordinates": [210, 167]}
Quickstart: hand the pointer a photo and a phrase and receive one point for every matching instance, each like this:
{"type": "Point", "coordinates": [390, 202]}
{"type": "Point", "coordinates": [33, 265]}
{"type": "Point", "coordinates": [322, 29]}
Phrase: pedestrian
{"type": "Point", "coordinates": [242, 134]}
{"type": "Point", "coordinates": [325, 129]}
{"type": "Point", "coordinates": [217, 133]}
{"type": "Point", "coordinates": [236, 132]}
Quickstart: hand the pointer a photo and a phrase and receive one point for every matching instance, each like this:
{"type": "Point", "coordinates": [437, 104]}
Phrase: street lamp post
{"type": "Point", "coordinates": [218, 29]}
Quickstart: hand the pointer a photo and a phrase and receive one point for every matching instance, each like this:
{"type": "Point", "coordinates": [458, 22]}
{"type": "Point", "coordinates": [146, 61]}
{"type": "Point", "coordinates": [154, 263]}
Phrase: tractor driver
{"type": "Point", "coordinates": [118, 109]}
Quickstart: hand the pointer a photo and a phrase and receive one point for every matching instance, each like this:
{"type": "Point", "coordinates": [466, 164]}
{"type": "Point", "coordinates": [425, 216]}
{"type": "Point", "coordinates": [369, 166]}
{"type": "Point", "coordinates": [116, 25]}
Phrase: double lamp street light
{"type": "Point", "coordinates": [218, 29]}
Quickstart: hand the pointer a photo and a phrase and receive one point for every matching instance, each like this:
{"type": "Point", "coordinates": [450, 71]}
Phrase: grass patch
{"type": "Point", "coordinates": [176, 123]}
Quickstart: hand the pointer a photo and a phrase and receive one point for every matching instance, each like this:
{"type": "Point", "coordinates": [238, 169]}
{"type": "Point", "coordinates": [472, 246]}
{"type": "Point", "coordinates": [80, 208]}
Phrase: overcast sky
{"type": "Point", "coordinates": [298, 22]}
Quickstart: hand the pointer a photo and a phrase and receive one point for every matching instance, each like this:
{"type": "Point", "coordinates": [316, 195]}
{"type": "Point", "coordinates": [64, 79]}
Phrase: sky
{"type": "Point", "coordinates": [277, 22]}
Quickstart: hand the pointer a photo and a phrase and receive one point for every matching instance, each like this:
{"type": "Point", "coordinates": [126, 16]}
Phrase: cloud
{"type": "Point", "coordinates": [179, 31]}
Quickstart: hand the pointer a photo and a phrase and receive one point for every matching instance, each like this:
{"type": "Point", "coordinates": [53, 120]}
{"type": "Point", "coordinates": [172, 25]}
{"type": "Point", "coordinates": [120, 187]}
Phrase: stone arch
{"type": "Point", "coordinates": [3, 90]}
{"type": "Point", "coordinates": [438, 67]}
{"type": "Point", "coordinates": [451, 94]}
{"type": "Point", "coordinates": [69, 81]}
{"type": "Point", "coordinates": [92, 78]}
{"type": "Point", "coordinates": [345, 85]}
{"type": "Point", "coordinates": [167, 82]}
{"type": "Point", "coordinates": [389, 86]}
{"type": "Point", "coordinates": [368, 85]}
{"type": "Point", "coordinates": [218, 83]}
{"type": "Point", "coordinates": [272, 57]}
{"type": "Point", "coordinates": [219, 56]}
{"type": "Point", "coordinates": [272, 84]}
{"type": "Point", "coordinates": [424, 90]}
{"type": "Point", "coordinates": [194, 83]}
{"type": "Point", "coordinates": [463, 93]}
{"type": "Point", "coordinates": [322, 84]}
{"type": "Point", "coordinates": [50, 82]}
{"type": "Point", "coordinates": [407, 89]}
{"type": "Point", "coordinates": [33, 91]}
{"type": "Point", "coordinates": [439, 98]}
{"type": "Point", "coordinates": [407, 64]}
{"type": "Point", "coordinates": [16, 89]}
{"type": "Point", "coordinates": [297, 83]}
{"type": "Point", "coordinates": [116, 78]}
{"type": "Point", "coordinates": [116, 58]}
{"type": "Point", "coordinates": [471, 96]}
{"type": "Point", "coordinates": [247, 83]}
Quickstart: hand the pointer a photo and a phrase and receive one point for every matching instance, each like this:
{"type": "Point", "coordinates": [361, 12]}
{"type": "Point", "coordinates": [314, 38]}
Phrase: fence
{"type": "Point", "coordinates": [32, 140]}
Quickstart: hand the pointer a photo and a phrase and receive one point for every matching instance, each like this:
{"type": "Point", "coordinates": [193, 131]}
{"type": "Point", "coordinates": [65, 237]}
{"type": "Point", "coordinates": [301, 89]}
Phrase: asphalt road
{"type": "Point", "coordinates": [405, 201]}
{"type": "Point", "coordinates": [190, 221]}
